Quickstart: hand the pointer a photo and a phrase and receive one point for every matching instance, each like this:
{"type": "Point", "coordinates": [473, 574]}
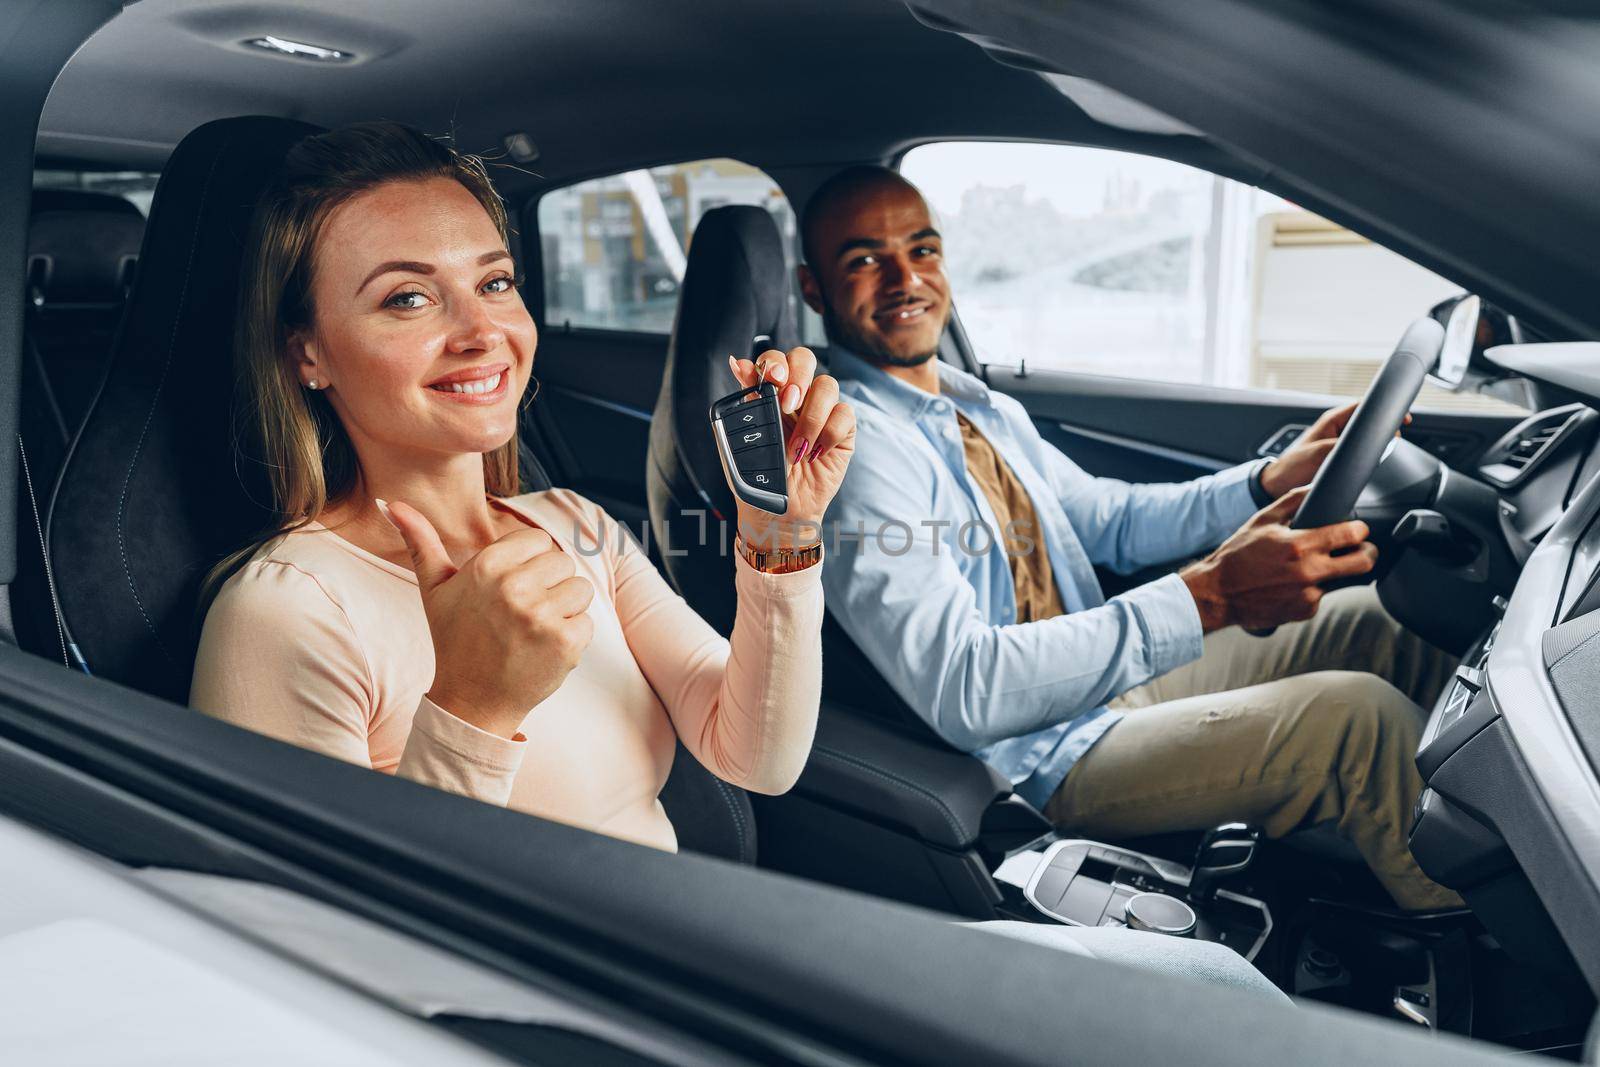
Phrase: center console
{"type": "Point", "coordinates": [1085, 883]}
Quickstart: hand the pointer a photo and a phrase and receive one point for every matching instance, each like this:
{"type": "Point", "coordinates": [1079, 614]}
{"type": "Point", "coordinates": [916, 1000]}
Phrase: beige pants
{"type": "Point", "coordinates": [1317, 723]}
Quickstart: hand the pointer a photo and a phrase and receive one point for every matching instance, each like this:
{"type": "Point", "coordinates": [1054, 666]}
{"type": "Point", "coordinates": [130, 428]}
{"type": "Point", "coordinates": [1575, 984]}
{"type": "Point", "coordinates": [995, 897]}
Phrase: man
{"type": "Point", "coordinates": [962, 562]}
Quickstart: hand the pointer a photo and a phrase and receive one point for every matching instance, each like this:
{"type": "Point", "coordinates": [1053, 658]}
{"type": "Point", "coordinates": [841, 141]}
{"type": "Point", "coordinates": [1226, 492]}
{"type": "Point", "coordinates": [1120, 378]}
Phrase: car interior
{"type": "Point", "coordinates": [598, 119]}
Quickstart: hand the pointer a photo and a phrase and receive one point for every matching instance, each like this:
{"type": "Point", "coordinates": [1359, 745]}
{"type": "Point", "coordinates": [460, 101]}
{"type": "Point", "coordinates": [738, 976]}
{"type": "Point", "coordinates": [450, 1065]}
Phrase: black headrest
{"type": "Point", "coordinates": [734, 302]}
{"type": "Point", "coordinates": [149, 498]}
{"type": "Point", "coordinates": [81, 247]}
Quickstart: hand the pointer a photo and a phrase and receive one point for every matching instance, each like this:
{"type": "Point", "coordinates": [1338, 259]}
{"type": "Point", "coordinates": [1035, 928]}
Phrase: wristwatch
{"type": "Point", "coordinates": [1258, 492]}
{"type": "Point", "coordinates": [780, 560]}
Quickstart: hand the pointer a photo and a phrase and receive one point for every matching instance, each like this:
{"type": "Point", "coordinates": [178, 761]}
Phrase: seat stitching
{"type": "Point", "coordinates": [944, 809]}
{"type": "Point", "coordinates": [155, 400]}
{"type": "Point", "coordinates": [726, 793]}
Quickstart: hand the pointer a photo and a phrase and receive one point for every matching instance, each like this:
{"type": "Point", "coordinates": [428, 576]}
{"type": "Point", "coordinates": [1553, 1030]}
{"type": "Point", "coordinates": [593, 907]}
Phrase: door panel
{"type": "Point", "coordinates": [1159, 431]}
{"type": "Point", "coordinates": [591, 419]}
{"type": "Point", "coordinates": [1120, 456]}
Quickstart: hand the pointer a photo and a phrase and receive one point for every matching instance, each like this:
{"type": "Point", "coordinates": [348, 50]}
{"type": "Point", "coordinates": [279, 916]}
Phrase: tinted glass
{"type": "Point", "coordinates": [615, 247]}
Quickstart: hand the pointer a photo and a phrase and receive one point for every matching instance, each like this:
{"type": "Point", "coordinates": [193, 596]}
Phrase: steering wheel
{"type": "Point", "coordinates": [1361, 445]}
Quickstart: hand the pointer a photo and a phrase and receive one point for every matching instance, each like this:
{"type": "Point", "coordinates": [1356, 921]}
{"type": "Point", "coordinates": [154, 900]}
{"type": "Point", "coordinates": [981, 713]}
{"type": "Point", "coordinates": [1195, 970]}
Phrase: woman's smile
{"type": "Point", "coordinates": [475, 385]}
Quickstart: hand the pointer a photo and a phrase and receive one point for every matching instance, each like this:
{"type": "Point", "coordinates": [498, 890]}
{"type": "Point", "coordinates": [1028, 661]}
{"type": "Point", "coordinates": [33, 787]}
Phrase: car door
{"type": "Point", "coordinates": [606, 265]}
{"type": "Point", "coordinates": [1160, 322]}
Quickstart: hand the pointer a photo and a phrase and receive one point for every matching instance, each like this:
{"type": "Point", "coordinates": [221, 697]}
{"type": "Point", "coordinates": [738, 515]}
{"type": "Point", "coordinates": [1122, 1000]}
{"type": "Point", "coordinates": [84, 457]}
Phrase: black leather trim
{"type": "Point", "coordinates": [709, 815]}
{"type": "Point", "coordinates": [896, 777]}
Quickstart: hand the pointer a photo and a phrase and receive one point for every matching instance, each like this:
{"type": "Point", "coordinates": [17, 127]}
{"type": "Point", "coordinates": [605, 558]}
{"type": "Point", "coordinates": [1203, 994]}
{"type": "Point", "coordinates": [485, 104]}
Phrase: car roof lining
{"type": "Point", "coordinates": [647, 84]}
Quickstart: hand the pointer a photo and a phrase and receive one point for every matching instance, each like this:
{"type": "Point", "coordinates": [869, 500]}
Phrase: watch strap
{"type": "Point", "coordinates": [780, 560]}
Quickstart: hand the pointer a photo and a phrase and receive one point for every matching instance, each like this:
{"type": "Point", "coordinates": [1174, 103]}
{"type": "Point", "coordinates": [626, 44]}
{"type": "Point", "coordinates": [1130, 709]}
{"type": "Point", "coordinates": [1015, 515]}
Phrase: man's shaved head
{"type": "Point", "coordinates": [874, 267]}
{"type": "Point", "coordinates": [848, 184]}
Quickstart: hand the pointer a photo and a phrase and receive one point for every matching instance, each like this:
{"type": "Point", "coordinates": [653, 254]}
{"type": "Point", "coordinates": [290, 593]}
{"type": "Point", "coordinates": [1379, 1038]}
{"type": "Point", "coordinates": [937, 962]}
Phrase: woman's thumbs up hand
{"type": "Point", "coordinates": [508, 625]}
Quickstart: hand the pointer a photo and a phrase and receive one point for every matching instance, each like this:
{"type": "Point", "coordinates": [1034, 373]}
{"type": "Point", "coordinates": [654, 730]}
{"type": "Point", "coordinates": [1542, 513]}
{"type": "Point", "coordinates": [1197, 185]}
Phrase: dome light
{"type": "Point", "coordinates": [299, 50]}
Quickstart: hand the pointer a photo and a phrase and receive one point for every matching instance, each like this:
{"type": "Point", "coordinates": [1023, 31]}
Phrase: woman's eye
{"type": "Point", "coordinates": [502, 284]}
{"type": "Point", "coordinates": [406, 301]}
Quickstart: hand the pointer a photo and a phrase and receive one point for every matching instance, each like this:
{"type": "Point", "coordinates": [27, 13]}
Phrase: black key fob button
{"type": "Point", "coordinates": [759, 459]}
{"type": "Point", "coordinates": [749, 417]}
{"type": "Point", "coordinates": [745, 439]}
{"type": "Point", "coordinates": [766, 478]}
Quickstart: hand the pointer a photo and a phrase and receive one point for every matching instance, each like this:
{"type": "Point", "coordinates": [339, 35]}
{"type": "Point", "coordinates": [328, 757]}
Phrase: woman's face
{"type": "Point", "coordinates": [419, 335]}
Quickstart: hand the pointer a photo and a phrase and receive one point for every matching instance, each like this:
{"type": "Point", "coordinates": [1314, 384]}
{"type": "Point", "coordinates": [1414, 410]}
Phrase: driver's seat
{"type": "Point", "coordinates": [735, 300]}
{"type": "Point", "coordinates": [154, 492]}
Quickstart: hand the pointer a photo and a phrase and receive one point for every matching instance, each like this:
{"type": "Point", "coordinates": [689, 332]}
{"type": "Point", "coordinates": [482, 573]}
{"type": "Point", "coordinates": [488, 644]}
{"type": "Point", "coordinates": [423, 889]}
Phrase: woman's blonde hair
{"type": "Point", "coordinates": [294, 432]}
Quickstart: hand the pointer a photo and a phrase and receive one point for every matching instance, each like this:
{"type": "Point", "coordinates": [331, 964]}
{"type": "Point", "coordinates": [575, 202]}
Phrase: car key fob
{"type": "Point", "coordinates": [749, 435]}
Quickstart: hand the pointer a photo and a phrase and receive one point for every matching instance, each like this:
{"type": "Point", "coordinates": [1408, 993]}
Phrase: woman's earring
{"type": "Point", "coordinates": [312, 383]}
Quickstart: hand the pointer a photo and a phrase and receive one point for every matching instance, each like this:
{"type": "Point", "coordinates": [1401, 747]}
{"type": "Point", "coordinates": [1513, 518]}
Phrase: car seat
{"type": "Point", "coordinates": [734, 300]}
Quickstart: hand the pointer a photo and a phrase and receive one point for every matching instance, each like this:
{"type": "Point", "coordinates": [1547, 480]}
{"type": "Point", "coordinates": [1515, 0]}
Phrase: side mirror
{"type": "Point", "coordinates": [1460, 342]}
{"type": "Point", "coordinates": [1472, 326]}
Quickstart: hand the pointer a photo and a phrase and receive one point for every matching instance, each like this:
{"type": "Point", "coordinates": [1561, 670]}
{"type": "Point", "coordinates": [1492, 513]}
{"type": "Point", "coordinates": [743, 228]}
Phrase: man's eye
{"type": "Point", "coordinates": [927, 250]}
{"type": "Point", "coordinates": [409, 300]}
{"type": "Point", "coordinates": [861, 261]}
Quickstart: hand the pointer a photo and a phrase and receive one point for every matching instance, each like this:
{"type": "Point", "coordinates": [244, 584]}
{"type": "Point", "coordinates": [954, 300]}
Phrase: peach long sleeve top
{"type": "Point", "coordinates": [320, 643]}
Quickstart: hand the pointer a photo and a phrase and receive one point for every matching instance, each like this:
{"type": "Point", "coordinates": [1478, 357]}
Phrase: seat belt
{"type": "Point", "coordinates": [70, 655]}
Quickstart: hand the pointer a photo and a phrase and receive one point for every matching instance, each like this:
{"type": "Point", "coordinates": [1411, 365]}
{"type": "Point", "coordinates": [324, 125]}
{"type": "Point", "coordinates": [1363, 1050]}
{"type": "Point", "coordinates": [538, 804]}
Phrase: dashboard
{"type": "Point", "coordinates": [1510, 816]}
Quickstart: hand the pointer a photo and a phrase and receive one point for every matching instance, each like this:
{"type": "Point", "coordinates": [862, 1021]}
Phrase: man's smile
{"type": "Point", "coordinates": [902, 314]}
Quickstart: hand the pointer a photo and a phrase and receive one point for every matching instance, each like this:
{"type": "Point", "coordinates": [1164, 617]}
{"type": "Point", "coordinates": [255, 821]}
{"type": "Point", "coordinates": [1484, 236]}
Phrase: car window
{"type": "Point", "coordinates": [135, 186]}
{"type": "Point", "coordinates": [1086, 259]}
{"type": "Point", "coordinates": [614, 248]}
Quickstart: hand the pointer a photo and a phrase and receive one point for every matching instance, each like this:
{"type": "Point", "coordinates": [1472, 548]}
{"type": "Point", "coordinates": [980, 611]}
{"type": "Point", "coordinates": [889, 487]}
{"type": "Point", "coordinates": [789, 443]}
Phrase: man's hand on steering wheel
{"type": "Point", "coordinates": [1301, 460]}
{"type": "Point", "coordinates": [1275, 568]}
{"type": "Point", "coordinates": [1267, 574]}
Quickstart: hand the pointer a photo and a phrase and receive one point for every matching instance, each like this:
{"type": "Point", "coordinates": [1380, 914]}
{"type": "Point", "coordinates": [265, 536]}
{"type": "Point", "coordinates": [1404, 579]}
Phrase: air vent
{"type": "Point", "coordinates": [1526, 448]}
{"type": "Point", "coordinates": [1516, 455]}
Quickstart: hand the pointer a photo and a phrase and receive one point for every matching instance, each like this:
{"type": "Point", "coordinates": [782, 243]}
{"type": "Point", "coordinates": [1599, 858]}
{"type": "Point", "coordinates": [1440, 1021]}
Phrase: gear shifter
{"type": "Point", "coordinates": [1224, 853]}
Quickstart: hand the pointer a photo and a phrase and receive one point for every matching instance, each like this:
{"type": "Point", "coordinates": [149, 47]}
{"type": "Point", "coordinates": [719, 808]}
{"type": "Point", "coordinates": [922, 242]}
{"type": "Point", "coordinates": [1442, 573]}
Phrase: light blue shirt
{"type": "Point", "coordinates": [919, 579]}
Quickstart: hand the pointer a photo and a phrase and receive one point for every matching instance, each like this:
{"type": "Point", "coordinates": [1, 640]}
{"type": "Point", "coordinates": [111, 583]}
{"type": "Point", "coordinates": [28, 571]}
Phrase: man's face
{"type": "Point", "coordinates": [877, 276]}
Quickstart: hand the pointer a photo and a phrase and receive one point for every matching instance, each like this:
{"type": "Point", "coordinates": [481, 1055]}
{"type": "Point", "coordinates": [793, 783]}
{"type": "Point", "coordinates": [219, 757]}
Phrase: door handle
{"type": "Point", "coordinates": [1279, 442]}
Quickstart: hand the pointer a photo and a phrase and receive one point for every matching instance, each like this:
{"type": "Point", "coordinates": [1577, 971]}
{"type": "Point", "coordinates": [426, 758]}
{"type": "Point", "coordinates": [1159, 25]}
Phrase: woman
{"type": "Point", "coordinates": [513, 648]}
